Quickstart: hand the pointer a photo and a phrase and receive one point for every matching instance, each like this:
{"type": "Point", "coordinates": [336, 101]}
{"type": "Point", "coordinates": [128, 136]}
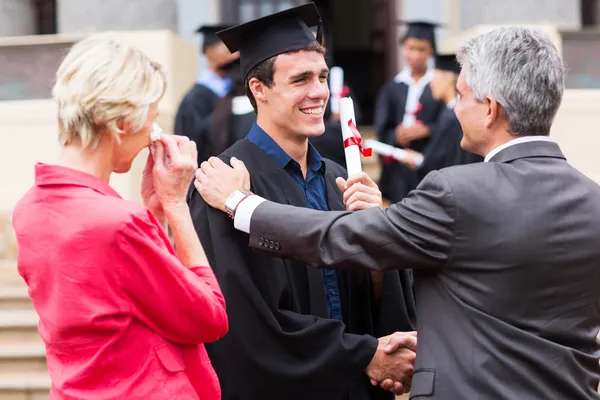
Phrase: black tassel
{"type": "Point", "coordinates": [320, 33]}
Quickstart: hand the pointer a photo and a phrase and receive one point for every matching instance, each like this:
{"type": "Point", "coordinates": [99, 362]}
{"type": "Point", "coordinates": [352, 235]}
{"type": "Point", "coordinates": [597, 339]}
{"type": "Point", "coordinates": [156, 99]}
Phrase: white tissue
{"type": "Point", "coordinates": [156, 132]}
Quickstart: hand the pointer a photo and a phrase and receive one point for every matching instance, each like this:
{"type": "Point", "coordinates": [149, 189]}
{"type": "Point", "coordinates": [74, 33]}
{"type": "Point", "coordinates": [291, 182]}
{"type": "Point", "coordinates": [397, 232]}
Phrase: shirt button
{"type": "Point", "coordinates": [271, 244]}
{"type": "Point", "coordinates": [277, 246]}
{"type": "Point", "coordinates": [261, 241]}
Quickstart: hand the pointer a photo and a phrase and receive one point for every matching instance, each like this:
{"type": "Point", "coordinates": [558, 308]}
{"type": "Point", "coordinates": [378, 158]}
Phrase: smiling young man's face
{"type": "Point", "coordinates": [298, 97]}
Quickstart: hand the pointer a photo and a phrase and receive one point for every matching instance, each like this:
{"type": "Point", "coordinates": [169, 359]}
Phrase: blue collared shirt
{"type": "Point", "coordinates": [313, 188]}
{"type": "Point", "coordinates": [219, 86]}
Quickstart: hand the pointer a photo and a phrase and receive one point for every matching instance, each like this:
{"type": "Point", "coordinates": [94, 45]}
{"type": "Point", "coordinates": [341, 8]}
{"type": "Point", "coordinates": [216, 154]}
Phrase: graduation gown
{"type": "Point", "coordinates": [280, 344]}
{"type": "Point", "coordinates": [443, 149]}
{"type": "Point", "coordinates": [397, 180]}
{"type": "Point", "coordinates": [230, 122]}
{"type": "Point", "coordinates": [193, 119]}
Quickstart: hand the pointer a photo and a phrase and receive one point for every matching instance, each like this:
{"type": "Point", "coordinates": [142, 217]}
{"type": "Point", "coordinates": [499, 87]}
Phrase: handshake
{"type": "Point", "coordinates": [393, 363]}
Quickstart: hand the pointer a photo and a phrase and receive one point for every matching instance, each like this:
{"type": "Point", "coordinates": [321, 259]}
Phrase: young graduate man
{"type": "Point", "coordinates": [405, 109]}
{"type": "Point", "coordinates": [192, 118]}
{"type": "Point", "coordinates": [443, 148]}
{"type": "Point", "coordinates": [296, 332]}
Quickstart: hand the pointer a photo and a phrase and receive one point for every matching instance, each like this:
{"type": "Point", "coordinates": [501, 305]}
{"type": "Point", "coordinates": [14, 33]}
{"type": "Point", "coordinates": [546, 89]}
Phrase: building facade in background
{"type": "Point", "coordinates": [362, 35]}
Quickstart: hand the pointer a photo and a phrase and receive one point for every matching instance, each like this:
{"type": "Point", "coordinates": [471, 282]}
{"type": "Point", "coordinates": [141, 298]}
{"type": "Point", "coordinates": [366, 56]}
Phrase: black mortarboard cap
{"type": "Point", "coordinates": [210, 35]}
{"type": "Point", "coordinates": [274, 34]}
{"type": "Point", "coordinates": [421, 30]}
{"type": "Point", "coordinates": [447, 62]}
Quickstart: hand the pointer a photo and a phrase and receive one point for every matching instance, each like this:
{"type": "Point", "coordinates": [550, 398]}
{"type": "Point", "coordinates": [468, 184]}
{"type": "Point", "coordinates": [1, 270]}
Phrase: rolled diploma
{"type": "Point", "coordinates": [336, 85]}
{"type": "Point", "coordinates": [390, 151]}
{"type": "Point", "coordinates": [353, 163]}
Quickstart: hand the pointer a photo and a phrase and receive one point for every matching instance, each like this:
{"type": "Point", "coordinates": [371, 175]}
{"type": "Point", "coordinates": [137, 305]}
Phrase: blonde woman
{"type": "Point", "coordinates": [123, 315]}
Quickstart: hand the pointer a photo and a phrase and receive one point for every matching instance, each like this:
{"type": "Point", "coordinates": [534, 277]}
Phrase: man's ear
{"type": "Point", "coordinates": [258, 90]}
{"type": "Point", "coordinates": [491, 111]}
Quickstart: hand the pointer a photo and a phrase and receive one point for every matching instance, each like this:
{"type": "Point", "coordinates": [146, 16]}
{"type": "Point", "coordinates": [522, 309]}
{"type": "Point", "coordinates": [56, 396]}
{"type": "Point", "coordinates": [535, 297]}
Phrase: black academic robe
{"type": "Point", "coordinates": [280, 344]}
{"type": "Point", "coordinates": [227, 127]}
{"type": "Point", "coordinates": [443, 149]}
{"type": "Point", "coordinates": [193, 119]}
{"type": "Point", "coordinates": [397, 180]}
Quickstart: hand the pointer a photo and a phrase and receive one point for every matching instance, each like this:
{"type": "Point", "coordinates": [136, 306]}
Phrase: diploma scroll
{"type": "Point", "coordinates": [391, 151]}
{"type": "Point", "coordinates": [352, 140]}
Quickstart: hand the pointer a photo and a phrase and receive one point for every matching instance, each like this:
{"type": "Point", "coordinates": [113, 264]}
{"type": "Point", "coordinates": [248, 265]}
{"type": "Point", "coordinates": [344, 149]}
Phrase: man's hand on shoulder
{"type": "Point", "coordinates": [360, 192]}
{"type": "Point", "coordinates": [216, 181]}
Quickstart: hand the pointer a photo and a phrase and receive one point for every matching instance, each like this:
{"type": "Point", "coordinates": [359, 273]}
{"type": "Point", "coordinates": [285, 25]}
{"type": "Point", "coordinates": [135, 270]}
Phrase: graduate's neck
{"type": "Point", "coordinates": [294, 145]}
{"type": "Point", "coordinates": [418, 73]}
{"type": "Point", "coordinates": [450, 96]}
{"type": "Point", "coordinates": [97, 162]}
{"type": "Point", "coordinates": [215, 69]}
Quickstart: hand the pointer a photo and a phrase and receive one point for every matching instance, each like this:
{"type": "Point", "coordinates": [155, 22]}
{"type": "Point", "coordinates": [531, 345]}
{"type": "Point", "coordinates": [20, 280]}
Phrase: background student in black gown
{"type": "Point", "coordinates": [295, 332]}
{"type": "Point", "coordinates": [405, 109]}
{"type": "Point", "coordinates": [192, 118]}
{"type": "Point", "coordinates": [443, 148]}
{"type": "Point", "coordinates": [233, 115]}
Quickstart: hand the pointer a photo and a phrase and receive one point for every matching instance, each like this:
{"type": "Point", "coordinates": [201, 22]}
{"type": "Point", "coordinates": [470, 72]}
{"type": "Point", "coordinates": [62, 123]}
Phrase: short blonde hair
{"type": "Point", "coordinates": [101, 82]}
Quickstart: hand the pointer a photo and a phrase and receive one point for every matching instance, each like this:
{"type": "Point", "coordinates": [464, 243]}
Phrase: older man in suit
{"type": "Point", "coordinates": [506, 252]}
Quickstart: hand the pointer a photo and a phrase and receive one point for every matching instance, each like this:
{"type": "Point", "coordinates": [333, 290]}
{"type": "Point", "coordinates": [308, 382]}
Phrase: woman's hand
{"type": "Point", "coordinates": [149, 196]}
{"type": "Point", "coordinates": [175, 159]}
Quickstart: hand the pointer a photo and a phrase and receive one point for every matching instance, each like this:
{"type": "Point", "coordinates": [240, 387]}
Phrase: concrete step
{"type": "Point", "coordinates": [14, 298]}
{"type": "Point", "coordinates": [19, 386]}
{"type": "Point", "coordinates": [18, 326]}
{"type": "Point", "coordinates": [9, 275]}
{"type": "Point", "coordinates": [26, 358]}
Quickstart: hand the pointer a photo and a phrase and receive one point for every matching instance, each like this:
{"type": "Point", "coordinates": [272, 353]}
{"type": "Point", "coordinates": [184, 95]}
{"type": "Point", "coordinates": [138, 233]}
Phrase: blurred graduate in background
{"type": "Point", "coordinates": [443, 148]}
{"type": "Point", "coordinates": [406, 110]}
{"type": "Point", "coordinates": [192, 118]}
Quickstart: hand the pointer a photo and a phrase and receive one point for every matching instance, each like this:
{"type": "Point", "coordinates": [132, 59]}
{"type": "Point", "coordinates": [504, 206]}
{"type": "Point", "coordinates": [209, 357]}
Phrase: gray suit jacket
{"type": "Point", "coordinates": [507, 272]}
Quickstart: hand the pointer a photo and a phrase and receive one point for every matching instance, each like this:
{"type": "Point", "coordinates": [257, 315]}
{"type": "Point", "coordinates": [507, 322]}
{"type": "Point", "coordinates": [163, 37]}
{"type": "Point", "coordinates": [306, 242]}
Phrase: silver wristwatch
{"type": "Point", "coordinates": [234, 200]}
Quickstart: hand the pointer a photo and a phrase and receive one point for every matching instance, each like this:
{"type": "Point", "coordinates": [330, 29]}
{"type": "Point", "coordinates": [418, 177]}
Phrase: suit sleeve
{"type": "Point", "coordinates": [183, 305]}
{"type": "Point", "coordinates": [385, 126]}
{"type": "Point", "coordinates": [278, 353]}
{"type": "Point", "coordinates": [415, 233]}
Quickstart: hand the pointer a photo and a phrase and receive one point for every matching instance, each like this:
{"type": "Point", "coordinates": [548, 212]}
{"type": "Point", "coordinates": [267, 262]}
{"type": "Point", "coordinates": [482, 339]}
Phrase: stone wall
{"type": "Point", "coordinates": [78, 16]}
{"type": "Point", "coordinates": [581, 53]}
{"type": "Point", "coordinates": [564, 14]}
{"type": "Point", "coordinates": [27, 72]}
{"type": "Point", "coordinates": [17, 17]}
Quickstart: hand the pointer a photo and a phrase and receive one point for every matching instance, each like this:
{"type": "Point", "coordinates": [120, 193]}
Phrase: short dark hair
{"type": "Point", "coordinates": [265, 71]}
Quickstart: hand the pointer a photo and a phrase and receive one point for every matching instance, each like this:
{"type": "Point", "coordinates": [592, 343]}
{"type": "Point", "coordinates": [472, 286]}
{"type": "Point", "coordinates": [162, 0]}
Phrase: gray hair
{"type": "Point", "coordinates": [522, 70]}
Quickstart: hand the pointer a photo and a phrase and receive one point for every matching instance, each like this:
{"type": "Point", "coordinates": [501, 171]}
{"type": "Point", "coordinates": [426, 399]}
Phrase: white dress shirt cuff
{"type": "Point", "coordinates": [244, 212]}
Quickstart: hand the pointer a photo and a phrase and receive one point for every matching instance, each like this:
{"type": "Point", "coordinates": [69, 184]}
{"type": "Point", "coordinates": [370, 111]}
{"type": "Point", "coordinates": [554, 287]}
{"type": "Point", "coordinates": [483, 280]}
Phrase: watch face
{"type": "Point", "coordinates": [232, 201]}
